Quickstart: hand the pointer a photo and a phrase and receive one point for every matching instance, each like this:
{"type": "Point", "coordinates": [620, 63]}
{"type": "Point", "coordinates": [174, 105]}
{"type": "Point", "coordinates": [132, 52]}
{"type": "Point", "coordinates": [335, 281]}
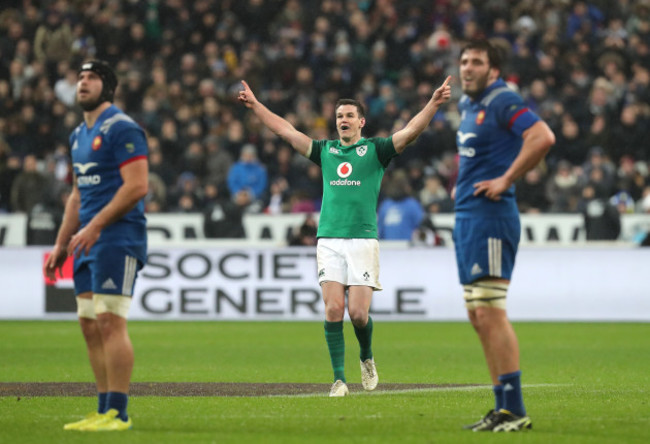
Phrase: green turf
{"type": "Point", "coordinates": [584, 383]}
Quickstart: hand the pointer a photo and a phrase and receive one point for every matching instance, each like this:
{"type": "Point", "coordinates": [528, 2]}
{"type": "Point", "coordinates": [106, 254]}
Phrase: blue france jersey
{"type": "Point", "coordinates": [489, 139]}
{"type": "Point", "coordinates": [98, 153]}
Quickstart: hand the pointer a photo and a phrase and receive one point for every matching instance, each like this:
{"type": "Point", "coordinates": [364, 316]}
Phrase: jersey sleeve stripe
{"type": "Point", "coordinates": [132, 159]}
{"type": "Point", "coordinates": [517, 114]}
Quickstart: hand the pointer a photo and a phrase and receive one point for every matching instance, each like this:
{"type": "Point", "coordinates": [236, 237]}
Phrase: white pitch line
{"type": "Point", "coordinates": [415, 390]}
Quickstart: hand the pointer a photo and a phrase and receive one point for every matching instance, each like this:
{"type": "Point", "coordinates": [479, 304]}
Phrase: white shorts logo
{"type": "Point", "coordinates": [344, 170]}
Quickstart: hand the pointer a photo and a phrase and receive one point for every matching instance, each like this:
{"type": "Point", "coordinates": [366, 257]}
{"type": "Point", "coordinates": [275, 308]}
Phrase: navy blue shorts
{"type": "Point", "coordinates": [109, 269]}
{"type": "Point", "coordinates": [486, 247]}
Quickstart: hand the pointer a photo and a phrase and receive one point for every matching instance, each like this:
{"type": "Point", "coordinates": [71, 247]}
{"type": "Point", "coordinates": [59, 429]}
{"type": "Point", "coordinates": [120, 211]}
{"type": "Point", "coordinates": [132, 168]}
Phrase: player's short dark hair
{"type": "Point", "coordinates": [360, 109]}
{"type": "Point", "coordinates": [106, 73]}
{"type": "Point", "coordinates": [495, 58]}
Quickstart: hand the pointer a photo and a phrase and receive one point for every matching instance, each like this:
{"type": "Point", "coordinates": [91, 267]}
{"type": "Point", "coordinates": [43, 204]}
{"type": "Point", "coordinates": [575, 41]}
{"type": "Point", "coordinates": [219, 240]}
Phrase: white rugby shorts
{"type": "Point", "coordinates": [349, 261]}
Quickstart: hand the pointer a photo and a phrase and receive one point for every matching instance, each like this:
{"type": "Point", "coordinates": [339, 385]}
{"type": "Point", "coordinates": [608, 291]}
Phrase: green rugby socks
{"type": "Point", "coordinates": [336, 346]}
{"type": "Point", "coordinates": [364, 336]}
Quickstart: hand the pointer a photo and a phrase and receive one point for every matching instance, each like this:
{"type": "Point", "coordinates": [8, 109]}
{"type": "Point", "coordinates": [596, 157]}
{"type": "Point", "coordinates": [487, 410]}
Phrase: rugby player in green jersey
{"type": "Point", "coordinates": [348, 251]}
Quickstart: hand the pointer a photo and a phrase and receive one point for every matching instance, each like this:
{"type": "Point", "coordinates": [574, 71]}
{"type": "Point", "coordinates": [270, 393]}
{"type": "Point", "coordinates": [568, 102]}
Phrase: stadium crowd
{"type": "Point", "coordinates": [583, 66]}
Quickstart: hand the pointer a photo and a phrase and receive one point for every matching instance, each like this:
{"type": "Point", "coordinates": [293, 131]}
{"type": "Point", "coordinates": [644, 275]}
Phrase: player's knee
{"type": "Point", "coordinates": [334, 307]}
{"type": "Point", "coordinates": [335, 312]}
{"type": "Point", "coordinates": [473, 319]}
{"type": "Point", "coordinates": [358, 316]}
{"type": "Point", "coordinates": [89, 329]}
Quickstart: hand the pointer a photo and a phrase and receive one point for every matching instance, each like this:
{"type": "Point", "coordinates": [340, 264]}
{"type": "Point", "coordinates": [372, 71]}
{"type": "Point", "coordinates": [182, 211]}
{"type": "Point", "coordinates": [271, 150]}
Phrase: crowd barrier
{"type": "Point", "coordinates": [175, 229]}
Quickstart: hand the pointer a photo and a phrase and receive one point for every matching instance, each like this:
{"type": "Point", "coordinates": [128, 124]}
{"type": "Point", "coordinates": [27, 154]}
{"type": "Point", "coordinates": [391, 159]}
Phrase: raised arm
{"type": "Point", "coordinates": [422, 119]}
{"type": "Point", "coordinates": [285, 130]}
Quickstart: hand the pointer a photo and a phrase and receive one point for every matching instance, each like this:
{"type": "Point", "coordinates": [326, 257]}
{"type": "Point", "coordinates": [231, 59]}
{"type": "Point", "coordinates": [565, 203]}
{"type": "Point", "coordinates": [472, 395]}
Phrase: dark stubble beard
{"type": "Point", "coordinates": [481, 84]}
{"type": "Point", "coordinates": [89, 105]}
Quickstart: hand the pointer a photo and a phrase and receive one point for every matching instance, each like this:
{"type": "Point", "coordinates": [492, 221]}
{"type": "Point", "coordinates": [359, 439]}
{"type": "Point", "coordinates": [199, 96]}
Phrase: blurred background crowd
{"type": "Point", "coordinates": [583, 66]}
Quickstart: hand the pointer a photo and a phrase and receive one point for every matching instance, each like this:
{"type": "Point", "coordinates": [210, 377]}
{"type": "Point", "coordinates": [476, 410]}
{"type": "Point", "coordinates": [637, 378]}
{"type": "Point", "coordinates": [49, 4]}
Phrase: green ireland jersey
{"type": "Point", "coordinates": [351, 180]}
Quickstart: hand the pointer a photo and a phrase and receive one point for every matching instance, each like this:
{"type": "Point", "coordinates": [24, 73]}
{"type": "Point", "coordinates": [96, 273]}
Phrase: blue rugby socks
{"type": "Point", "coordinates": [498, 396]}
{"type": "Point", "coordinates": [101, 402]}
{"type": "Point", "coordinates": [513, 400]}
{"type": "Point", "coordinates": [118, 401]}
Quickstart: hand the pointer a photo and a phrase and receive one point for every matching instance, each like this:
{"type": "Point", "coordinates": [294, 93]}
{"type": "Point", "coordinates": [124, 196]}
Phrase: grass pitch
{"type": "Point", "coordinates": [583, 383]}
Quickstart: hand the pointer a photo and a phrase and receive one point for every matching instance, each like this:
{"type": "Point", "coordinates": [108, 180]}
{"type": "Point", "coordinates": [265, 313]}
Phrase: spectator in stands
{"type": "Point", "coordinates": [310, 183]}
{"type": "Point", "coordinates": [399, 214]}
{"type": "Point", "coordinates": [563, 189]}
{"type": "Point", "coordinates": [586, 64]}
{"type": "Point", "coordinates": [248, 174]}
{"type": "Point", "coordinates": [279, 197]}
{"type": "Point", "coordinates": [194, 159]}
{"type": "Point", "coordinates": [602, 188]}
{"type": "Point", "coordinates": [186, 196]}
{"type": "Point", "coordinates": [623, 202]}
{"type": "Point", "coordinates": [434, 197]}
{"type": "Point", "coordinates": [30, 187]}
{"type": "Point", "coordinates": [66, 87]}
{"type": "Point", "coordinates": [301, 202]}
{"type": "Point", "coordinates": [630, 134]}
{"type": "Point", "coordinates": [8, 173]}
{"type": "Point", "coordinates": [599, 133]}
{"type": "Point", "coordinates": [218, 161]}
{"type": "Point", "coordinates": [602, 219]}
{"type": "Point", "coordinates": [186, 203]}
{"type": "Point", "coordinates": [305, 234]}
{"type": "Point", "coordinates": [222, 216]}
{"type": "Point", "coordinates": [156, 198]}
{"type": "Point", "coordinates": [447, 169]}
{"type": "Point", "coordinates": [596, 160]}
{"type": "Point", "coordinates": [158, 165]}
{"type": "Point", "coordinates": [53, 42]}
{"type": "Point", "coordinates": [630, 178]}
{"type": "Point", "coordinates": [570, 144]}
{"type": "Point", "coordinates": [531, 192]}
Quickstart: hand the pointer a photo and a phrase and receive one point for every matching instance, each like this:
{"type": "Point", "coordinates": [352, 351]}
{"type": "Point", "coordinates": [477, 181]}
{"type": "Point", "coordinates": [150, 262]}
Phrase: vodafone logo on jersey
{"type": "Point", "coordinates": [344, 170]}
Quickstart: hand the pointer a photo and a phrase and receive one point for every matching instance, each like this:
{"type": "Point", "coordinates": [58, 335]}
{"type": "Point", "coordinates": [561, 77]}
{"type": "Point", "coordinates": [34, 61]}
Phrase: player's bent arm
{"type": "Point", "coordinates": [283, 129]}
{"type": "Point", "coordinates": [135, 177]}
{"type": "Point", "coordinates": [537, 141]}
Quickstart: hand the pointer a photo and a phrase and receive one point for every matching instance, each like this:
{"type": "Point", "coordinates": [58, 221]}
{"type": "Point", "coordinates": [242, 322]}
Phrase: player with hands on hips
{"type": "Point", "coordinates": [499, 139]}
